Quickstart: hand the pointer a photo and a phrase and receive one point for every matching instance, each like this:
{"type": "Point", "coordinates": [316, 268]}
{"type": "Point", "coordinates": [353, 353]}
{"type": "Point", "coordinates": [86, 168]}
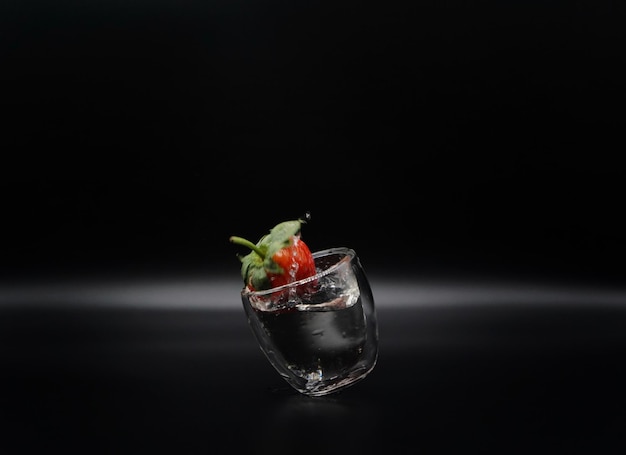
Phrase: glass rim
{"type": "Point", "coordinates": [349, 255]}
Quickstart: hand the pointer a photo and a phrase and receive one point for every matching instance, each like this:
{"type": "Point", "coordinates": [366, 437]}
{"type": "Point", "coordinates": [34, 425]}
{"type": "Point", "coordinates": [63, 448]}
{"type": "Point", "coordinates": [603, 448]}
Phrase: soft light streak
{"type": "Point", "coordinates": [215, 292]}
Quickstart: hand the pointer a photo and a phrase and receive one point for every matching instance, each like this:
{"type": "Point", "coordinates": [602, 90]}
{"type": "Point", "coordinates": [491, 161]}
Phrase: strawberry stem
{"type": "Point", "coordinates": [243, 242]}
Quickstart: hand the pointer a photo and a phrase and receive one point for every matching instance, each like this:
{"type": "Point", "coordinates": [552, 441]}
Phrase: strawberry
{"type": "Point", "coordinates": [280, 257]}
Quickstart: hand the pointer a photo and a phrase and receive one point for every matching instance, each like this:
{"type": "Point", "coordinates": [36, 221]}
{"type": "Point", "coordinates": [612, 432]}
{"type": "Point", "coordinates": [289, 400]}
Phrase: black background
{"type": "Point", "coordinates": [481, 135]}
{"type": "Point", "coordinates": [437, 138]}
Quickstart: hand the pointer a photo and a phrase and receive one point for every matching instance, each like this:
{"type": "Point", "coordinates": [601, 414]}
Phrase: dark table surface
{"type": "Point", "coordinates": [173, 368]}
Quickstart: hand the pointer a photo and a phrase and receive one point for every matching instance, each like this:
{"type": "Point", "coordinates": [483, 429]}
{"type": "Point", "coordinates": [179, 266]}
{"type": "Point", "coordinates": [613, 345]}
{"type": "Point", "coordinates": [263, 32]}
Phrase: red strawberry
{"type": "Point", "coordinates": [295, 260]}
{"type": "Point", "coordinates": [279, 258]}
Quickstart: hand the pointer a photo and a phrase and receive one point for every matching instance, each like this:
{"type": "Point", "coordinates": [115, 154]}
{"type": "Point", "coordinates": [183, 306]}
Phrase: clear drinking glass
{"type": "Point", "coordinates": [320, 333]}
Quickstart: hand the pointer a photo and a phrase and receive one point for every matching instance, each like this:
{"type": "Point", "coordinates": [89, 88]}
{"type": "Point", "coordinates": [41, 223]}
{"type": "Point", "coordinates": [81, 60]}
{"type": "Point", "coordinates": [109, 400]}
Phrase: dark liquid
{"type": "Point", "coordinates": [326, 342]}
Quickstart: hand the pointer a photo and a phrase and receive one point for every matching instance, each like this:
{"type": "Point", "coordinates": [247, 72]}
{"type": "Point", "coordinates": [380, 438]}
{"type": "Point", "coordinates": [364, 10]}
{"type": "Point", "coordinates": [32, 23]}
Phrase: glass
{"type": "Point", "coordinates": [320, 333]}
